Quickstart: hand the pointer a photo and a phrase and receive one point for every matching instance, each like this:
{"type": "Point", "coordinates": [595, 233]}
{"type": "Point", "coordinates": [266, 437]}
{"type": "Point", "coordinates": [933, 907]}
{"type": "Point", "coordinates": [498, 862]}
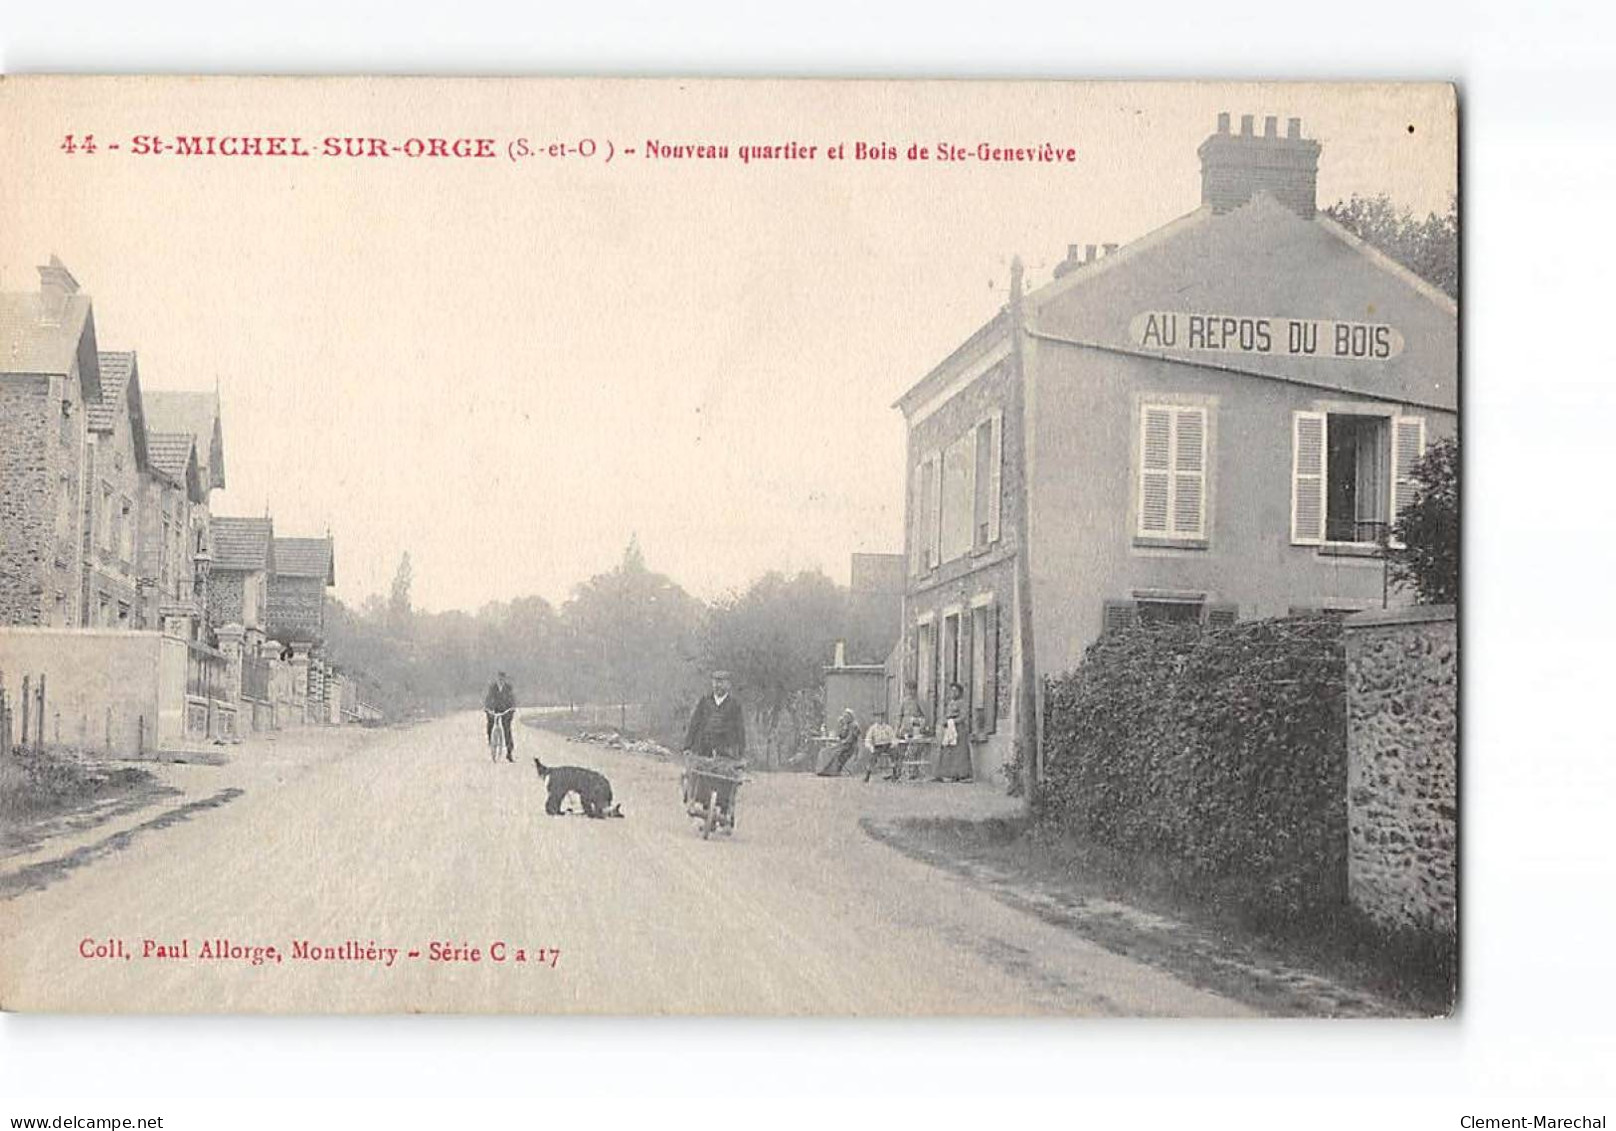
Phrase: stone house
{"type": "Point", "coordinates": [239, 581]}
{"type": "Point", "coordinates": [304, 569]}
{"type": "Point", "coordinates": [115, 469]}
{"type": "Point", "coordinates": [195, 415]}
{"type": "Point", "coordinates": [49, 372]}
{"type": "Point", "coordinates": [1215, 421]}
{"type": "Point", "coordinates": [171, 492]}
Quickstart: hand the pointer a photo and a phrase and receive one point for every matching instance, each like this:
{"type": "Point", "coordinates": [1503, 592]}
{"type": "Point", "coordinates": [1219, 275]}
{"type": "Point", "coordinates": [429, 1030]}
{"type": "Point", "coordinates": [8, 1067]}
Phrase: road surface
{"type": "Point", "coordinates": [413, 840]}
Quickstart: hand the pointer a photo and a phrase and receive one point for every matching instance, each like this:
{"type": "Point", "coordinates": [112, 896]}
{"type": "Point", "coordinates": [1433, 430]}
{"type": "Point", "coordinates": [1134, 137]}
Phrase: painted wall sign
{"type": "Point", "coordinates": [1281, 337]}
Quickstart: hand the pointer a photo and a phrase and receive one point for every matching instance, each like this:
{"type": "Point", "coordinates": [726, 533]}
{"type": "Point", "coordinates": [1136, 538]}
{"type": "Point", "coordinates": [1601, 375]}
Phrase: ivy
{"type": "Point", "coordinates": [1224, 749]}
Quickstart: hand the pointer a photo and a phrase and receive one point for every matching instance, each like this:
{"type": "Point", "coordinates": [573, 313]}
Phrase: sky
{"type": "Point", "coordinates": [510, 368]}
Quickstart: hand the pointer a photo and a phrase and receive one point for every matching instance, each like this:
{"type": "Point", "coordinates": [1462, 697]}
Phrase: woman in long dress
{"type": "Point", "coordinates": [953, 739]}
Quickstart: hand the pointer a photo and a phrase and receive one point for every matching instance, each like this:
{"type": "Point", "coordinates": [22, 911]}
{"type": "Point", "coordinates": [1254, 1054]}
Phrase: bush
{"type": "Point", "coordinates": [1224, 749]}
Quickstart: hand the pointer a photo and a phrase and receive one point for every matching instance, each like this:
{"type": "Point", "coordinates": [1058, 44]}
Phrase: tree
{"type": "Point", "coordinates": [776, 638]}
{"type": "Point", "coordinates": [1425, 538]}
{"type": "Point", "coordinates": [398, 601]}
{"type": "Point", "coordinates": [1428, 247]}
{"type": "Point", "coordinates": [631, 634]}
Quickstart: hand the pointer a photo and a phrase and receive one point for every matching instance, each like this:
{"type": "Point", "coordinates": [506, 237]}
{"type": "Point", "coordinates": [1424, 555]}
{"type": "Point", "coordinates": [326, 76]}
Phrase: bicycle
{"type": "Point", "coordinates": [496, 734]}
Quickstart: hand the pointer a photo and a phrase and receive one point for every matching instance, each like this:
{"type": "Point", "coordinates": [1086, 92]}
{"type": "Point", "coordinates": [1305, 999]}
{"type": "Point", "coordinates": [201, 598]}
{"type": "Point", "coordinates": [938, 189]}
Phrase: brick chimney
{"type": "Point", "coordinates": [1235, 166]}
{"type": "Point", "coordinates": [56, 286]}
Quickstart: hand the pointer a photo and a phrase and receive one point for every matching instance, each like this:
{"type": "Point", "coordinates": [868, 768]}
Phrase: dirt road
{"type": "Point", "coordinates": [415, 841]}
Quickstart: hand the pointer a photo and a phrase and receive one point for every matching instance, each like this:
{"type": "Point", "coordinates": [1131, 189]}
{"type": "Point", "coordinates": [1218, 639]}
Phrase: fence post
{"type": "Point", "coordinates": [109, 730]}
{"type": "Point", "coordinates": [140, 736]}
{"type": "Point", "coordinates": [39, 745]}
{"type": "Point", "coordinates": [27, 706]}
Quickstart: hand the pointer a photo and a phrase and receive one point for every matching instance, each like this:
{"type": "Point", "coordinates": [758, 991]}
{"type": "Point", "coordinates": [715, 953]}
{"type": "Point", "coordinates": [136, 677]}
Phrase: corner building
{"type": "Point", "coordinates": [1214, 422]}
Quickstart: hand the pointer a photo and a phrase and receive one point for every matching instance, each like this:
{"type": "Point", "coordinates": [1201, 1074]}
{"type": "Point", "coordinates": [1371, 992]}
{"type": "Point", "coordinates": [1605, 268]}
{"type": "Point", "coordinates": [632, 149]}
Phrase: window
{"type": "Point", "coordinates": [989, 480]}
{"type": "Point", "coordinates": [1156, 611]}
{"type": "Point", "coordinates": [1172, 472]}
{"type": "Point", "coordinates": [984, 684]}
{"type": "Point", "coordinates": [926, 669]}
{"type": "Point", "coordinates": [926, 515]}
{"type": "Point", "coordinates": [959, 497]}
{"type": "Point", "coordinates": [126, 530]}
{"type": "Point", "coordinates": [951, 654]}
{"type": "Point", "coordinates": [1350, 474]}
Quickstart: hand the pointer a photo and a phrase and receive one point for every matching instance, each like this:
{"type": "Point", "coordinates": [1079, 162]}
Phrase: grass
{"type": "Point", "coordinates": [1414, 971]}
{"type": "Point", "coordinates": [40, 784]}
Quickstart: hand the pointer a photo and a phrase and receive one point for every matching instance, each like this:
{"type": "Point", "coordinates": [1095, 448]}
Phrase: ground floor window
{"type": "Point", "coordinates": [1152, 612]}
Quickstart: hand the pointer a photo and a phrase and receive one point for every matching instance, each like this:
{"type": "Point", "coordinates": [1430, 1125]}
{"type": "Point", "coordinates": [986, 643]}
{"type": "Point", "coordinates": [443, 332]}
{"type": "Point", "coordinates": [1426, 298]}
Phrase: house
{"type": "Point", "coordinates": [1216, 421]}
{"type": "Point", "coordinates": [172, 492]}
{"type": "Point", "coordinates": [49, 372]}
{"type": "Point", "coordinates": [196, 415]}
{"type": "Point", "coordinates": [304, 569]}
{"type": "Point", "coordinates": [239, 580]}
{"type": "Point", "coordinates": [115, 469]}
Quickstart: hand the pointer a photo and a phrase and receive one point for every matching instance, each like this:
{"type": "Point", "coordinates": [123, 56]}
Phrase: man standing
{"type": "Point", "coordinates": [717, 728]}
{"type": "Point", "coordinates": [499, 705]}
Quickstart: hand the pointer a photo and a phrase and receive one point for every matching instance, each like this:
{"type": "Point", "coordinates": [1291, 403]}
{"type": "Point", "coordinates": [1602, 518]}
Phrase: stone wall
{"type": "Point", "coordinates": [39, 485]}
{"type": "Point", "coordinates": [1402, 766]}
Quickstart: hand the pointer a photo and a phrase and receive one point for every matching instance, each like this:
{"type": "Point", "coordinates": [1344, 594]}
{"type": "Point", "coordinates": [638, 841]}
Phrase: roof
{"type": "Point", "coordinates": [173, 456]}
{"type": "Point", "coordinates": [197, 414]}
{"type": "Point", "coordinates": [305, 557]}
{"type": "Point", "coordinates": [244, 544]}
{"type": "Point", "coordinates": [116, 369]}
{"type": "Point", "coordinates": [30, 343]}
{"type": "Point", "coordinates": [1263, 260]}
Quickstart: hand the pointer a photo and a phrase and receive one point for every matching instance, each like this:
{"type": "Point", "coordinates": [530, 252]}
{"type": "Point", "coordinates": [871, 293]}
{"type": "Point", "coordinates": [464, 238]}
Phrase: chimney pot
{"type": "Point", "coordinates": [1293, 128]}
{"type": "Point", "coordinates": [1234, 168]}
{"type": "Point", "coordinates": [1071, 251]}
{"type": "Point", "coordinates": [1088, 253]}
{"type": "Point", "coordinates": [1108, 248]}
{"type": "Point", "coordinates": [1246, 121]}
{"type": "Point", "coordinates": [1223, 122]}
{"type": "Point", "coordinates": [1270, 126]}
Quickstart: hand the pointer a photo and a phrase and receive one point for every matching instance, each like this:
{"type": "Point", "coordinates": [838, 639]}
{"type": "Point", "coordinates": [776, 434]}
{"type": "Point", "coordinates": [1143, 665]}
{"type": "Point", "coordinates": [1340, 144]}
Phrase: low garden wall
{"type": "Point", "coordinates": [1402, 775]}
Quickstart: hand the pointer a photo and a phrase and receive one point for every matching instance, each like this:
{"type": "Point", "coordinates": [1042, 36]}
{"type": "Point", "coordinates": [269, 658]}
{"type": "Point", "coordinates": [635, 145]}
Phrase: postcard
{"type": "Point", "coordinates": [738, 547]}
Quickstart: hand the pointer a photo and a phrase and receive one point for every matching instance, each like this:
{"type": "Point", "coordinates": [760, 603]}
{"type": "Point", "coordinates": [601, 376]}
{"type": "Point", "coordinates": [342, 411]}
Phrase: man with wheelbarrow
{"type": "Point", "coordinates": [718, 730]}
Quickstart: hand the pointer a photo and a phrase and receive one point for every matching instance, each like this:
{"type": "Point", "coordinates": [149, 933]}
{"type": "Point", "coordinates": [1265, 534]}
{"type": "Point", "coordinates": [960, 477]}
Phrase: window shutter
{"type": "Point", "coordinates": [1189, 472]}
{"type": "Point", "coordinates": [917, 522]}
{"type": "Point", "coordinates": [1222, 615]}
{"type": "Point", "coordinates": [1155, 469]}
{"type": "Point", "coordinates": [934, 520]}
{"type": "Point", "coordinates": [1119, 615]}
{"type": "Point", "coordinates": [1307, 478]}
{"type": "Point", "coordinates": [991, 653]}
{"type": "Point", "coordinates": [996, 477]}
{"type": "Point", "coordinates": [1408, 446]}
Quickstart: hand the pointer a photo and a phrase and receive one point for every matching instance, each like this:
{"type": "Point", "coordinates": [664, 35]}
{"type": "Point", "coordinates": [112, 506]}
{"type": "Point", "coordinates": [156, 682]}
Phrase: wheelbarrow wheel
{"type": "Point", "coordinates": [711, 820]}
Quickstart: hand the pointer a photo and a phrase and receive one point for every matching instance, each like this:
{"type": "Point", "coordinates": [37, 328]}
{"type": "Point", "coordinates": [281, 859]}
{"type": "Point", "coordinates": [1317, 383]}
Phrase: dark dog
{"type": "Point", "coordinates": [593, 790]}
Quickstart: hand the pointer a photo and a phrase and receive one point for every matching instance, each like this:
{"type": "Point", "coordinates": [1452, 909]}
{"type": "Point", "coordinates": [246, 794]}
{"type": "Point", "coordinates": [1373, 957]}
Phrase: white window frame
{"type": "Point", "coordinates": [1396, 474]}
{"type": "Point", "coordinates": [1174, 475]}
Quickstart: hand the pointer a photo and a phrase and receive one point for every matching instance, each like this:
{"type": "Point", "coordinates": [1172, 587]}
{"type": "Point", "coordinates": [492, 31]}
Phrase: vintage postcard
{"type": "Point", "coordinates": [728, 547]}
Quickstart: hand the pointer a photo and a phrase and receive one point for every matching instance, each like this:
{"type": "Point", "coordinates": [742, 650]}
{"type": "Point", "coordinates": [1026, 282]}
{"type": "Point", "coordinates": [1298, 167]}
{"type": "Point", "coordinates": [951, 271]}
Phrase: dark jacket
{"type": "Point", "coordinates": [717, 727]}
{"type": "Point", "coordinates": [500, 697]}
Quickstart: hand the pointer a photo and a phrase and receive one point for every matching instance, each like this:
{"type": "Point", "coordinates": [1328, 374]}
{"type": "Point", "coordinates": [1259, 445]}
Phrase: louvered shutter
{"type": "Point", "coordinates": [1189, 472]}
{"type": "Point", "coordinates": [917, 523]}
{"type": "Point", "coordinates": [996, 477]}
{"type": "Point", "coordinates": [1307, 478]}
{"type": "Point", "coordinates": [1155, 469]}
{"type": "Point", "coordinates": [1119, 615]}
{"type": "Point", "coordinates": [1408, 447]}
{"type": "Point", "coordinates": [1222, 615]}
{"type": "Point", "coordinates": [990, 652]}
{"type": "Point", "coordinates": [934, 520]}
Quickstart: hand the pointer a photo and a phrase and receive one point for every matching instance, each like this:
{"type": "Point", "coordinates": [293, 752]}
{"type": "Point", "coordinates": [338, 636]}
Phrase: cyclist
{"type": "Point", "coordinates": [499, 705]}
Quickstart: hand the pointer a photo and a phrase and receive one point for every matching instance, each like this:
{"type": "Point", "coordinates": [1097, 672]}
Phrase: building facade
{"type": "Point", "coordinates": [1217, 421]}
{"type": "Point", "coordinates": [115, 468]}
{"type": "Point", "coordinates": [49, 373]}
